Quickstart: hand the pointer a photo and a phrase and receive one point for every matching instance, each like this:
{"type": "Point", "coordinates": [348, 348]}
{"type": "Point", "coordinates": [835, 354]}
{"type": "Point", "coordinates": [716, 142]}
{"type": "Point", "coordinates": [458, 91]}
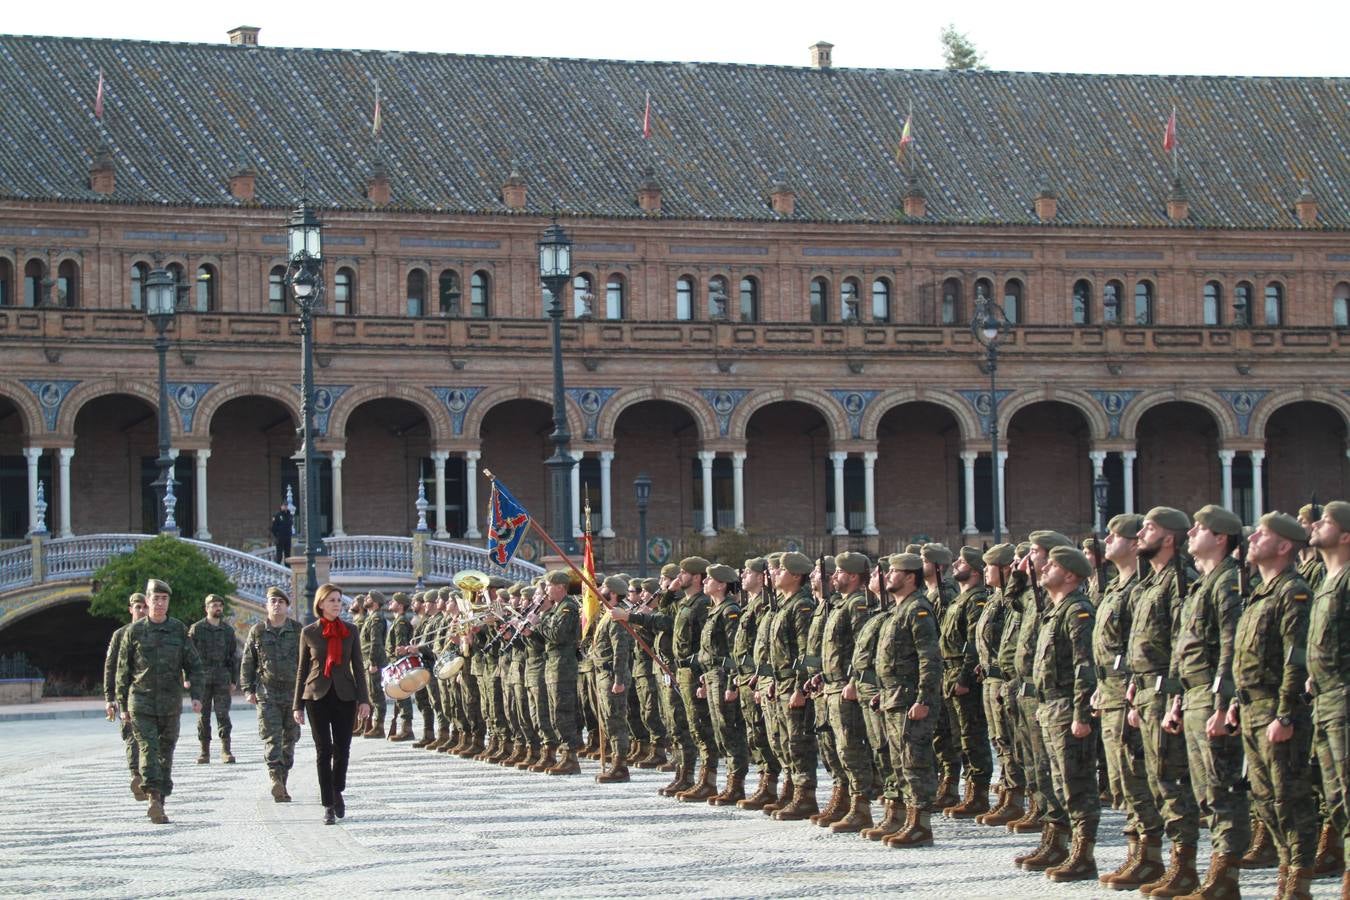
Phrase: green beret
{"type": "Point", "coordinates": [852, 563]}
{"type": "Point", "coordinates": [138, 597]}
{"type": "Point", "coordinates": [517, 589]}
{"type": "Point", "coordinates": [444, 592]}
{"type": "Point", "coordinates": [1306, 511]}
{"type": "Point", "coordinates": [496, 582]}
{"type": "Point", "coordinates": [1024, 548]}
{"type": "Point", "coordinates": [827, 566]}
{"type": "Point", "coordinates": [273, 591]}
{"type": "Point", "coordinates": [558, 576]}
{"type": "Point", "coordinates": [157, 586]}
{"type": "Point", "coordinates": [1049, 540]}
{"type": "Point", "coordinates": [616, 584]}
{"type": "Point", "coordinates": [757, 564]}
{"type": "Point", "coordinates": [670, 570]}
{"type": "Point", "coordinates": [797, 563]}
{"type": "Point", "coordinates": [376, 596]}
{"type": "Point", "coordinates": [937, 554]}
{"type": "Point", "coordinates": [1339, 511]}
{"type": "Point", "coordinates": [972, 557]}
{"type": "Point", "coordinates": [1000, 555]}
{"type": "Point", "coordinates": [774, 560]}
{"type": "Point", "coordinates": [883, 563]}
{"type": "Point", "coordinates": [1071, 559]}
{"type": "Point", "coordinates": [1218, 520]}
{"type": "Point", "coordinates": [694, 565]}
{"type": "Point", "coordinates": [1286, 526]}
{"type": "Point", "coordinates": [634, 585]}
{"type": "Point", "coordinates": [651, 585]}
{"type": "Point", "coordinates": [1126, 525]}
{"type": "Point", "coordinates": [1169, 518]}
{"type": "Point", "coordinates": [723, 573]}
{"type": "Point", "coordinates": [1090, 544]}
{"type": "Point", "coordinates": [401, 598]}
{"type": "Point", "coordinates": [914, 548]}
{"type": "Point", "coordinates": [212, 598]}
{"type": "Point", "coordinates": [907, 562]}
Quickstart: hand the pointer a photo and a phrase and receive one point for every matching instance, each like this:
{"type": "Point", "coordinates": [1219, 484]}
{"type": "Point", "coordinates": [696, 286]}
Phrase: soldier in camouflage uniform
{"type": "Point", "coordinates": [1014, 586]}
{"type": "Point", "coordinates": [560, 626]}
{"type": "Point", "coordinates": [373, 633]}
{"type": "Point", "coordinates": [848, 616]}
{"type": "Point", "coordinates": [989, 628]}
{"type": "Point", "coordinates": [219, 653]}
{"type": "Point", "coordinates": [536, 690]}
{"type": "Point", "coordinates": [358, 613]}
{"type": "Point", "coordinates": [822, 589]}
{"type": "Point", "coordinates": [399, 636]}
{"type": "Point", "coordinates": [1329, 670]}
{"type": "Point", "coordinates": [866, 684]}
{"type": "Point", "coordinates": [960, 686]}
{"type": "Point", "coordinates": [937, 561]}
{"type": "Point", "coordinates": [646, 689]}
{"type": "Point", "coordinates": [1311, 567]}
{"type": "Point", "coordinates": [137, 608]}
{"type": "Point", "coordinates": [788, 637]}
{"type": "Point", "coordinates": [421, 622]}
{"type": "Point", "coordinates": [718, 682]}
{"type": "Point", "coordinates": [267, 678]}
{"type": "Point", "coordinates": [775, 728]}
{"type": "Point", "coordinates": [155, 658]}
{"type": "Point", "coordinates": [1270, 673]}
{"type": "Point", "coordinates": [755, 610]}
{"type": "Point", "coordinates": [611, 654]}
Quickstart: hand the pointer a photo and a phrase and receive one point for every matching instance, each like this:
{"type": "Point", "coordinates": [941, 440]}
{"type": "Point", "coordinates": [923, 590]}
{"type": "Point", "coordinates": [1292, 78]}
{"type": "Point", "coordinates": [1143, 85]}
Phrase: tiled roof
{"type": "Point", "coordinates": [180, 118]}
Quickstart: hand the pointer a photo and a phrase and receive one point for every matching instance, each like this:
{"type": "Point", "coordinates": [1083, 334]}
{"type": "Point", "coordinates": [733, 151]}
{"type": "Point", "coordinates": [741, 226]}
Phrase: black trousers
{"type": "Point", "coordinates": [331, 720]}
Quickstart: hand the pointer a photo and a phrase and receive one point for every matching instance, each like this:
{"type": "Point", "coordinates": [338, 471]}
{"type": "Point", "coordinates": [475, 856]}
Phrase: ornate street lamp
{"type": "Point", "coordinates": [642, 487]}
{"type": "Point", "coordinates": [161, 299]}
{"type": "Point", "coordinates": [989, 326]}
{"type": "Point", "coordinates": [555, 271]}
{"type": "Point", "coordinates": [1101, 487]}
{"type": "Point", "coordinates": [305, 244]}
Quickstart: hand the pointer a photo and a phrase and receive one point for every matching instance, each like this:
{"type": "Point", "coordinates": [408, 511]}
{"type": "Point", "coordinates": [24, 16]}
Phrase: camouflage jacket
{"type": "Point", "coordinates": [271, 657]}
{"type": "Point", "coordinates": [153, 662]}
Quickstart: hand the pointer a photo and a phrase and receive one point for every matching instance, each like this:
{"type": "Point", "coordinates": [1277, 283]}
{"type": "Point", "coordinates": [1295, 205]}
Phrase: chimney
{"type": "Point", "coordinates": [242, 183]}
{"type": "Point", "coordinates": [782, 198]}
{"type": "Point", "coordinates": [377, 188]}
{"type": "Point", "coordinates": [513, 189]}
{"type": "Point", "coordinates": [1178, 207]}
{"type": "Point", "coordinates": [244, 36]}
{"type": "Point", "coordinates": [102, 176]}
{"type": "Point", "coordinates": [649, 192]}
{"type": "Point", "coordinates": [1306, 207]}
{"type": "Point", "coordinates": [820, 54]}
{"type": "Point", "coordinates": [916, 205]}
{"type": "Point", "coordinates": [1047, 205]}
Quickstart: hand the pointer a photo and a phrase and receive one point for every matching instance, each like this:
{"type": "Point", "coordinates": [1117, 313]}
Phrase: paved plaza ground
{"type": "Point", "coordinates": [442, 826]}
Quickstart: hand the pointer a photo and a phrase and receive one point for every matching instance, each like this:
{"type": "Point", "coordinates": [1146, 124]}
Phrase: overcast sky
{"type": "Point", "coordinates": [1239, 37]}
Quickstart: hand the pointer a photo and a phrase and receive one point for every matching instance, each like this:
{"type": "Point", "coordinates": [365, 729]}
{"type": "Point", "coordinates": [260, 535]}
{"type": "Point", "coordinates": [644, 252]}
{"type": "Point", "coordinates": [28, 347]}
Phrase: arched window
{"type": "Point", "coordinates": [179, 279]}
{"type": "Point", "coordinates": [344, 291]}
{"type": "Point", "coordinates": [1213, 311]}
{"type": "Point", "coordinates": [614, 291]}
{"type": "Point", "coordinates": [1242, 303]}
{"type": "Point", "coordinates": [276, 290]}
{"type": "Point", "coordinates": [33, 272]}
{"type": "Point", "coordinates": [684, 298]}
{"type": "Point", "coordinates": [881, 300]}
{"type": "Point", "coordinates": [749, 299]}
{"type": "Point", "coordinates": [1340, 305]}
{"type": "Point", "coordinates": [850, 297]}
{"type": "Point", "coordinates": [207, 289]}
{"type": "Point", "coordinates": [1112, 295]}
{"type": "Point", "coordinates": [951, 300]}
{"type": "Point", "coordinates": [139, 273]}
{"type": "Point", "coordinates": [68, 284]}
{"type": "Point", "coordinates": [583, 295]}
{"type": "Point", "coordinates": [417, 293]}
{"type": "Point", "coordinates": [1274, 304]}
{"type": "Point", "coordinates": [1143, 303]}
{"type": "Point", "coordinates": [480, 295]}
{"type": "Point", "coordinates": [820, 293]}
{"type": "Point", "coordinates": [717, 297]}
{"type": "Point", "coordinates": [6, 282]}
{"type": "Point", "coordinates": [1012, 300]}
{"type": "Point", "coordinates": [450, 293]}
{"type": "Point", "coordinates": [1082, 302]}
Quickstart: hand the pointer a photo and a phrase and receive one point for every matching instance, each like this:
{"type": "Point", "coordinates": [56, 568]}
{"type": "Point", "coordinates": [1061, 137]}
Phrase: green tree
{"type": "Point", "coordinates": [187, 570]}
{"type": "Point", "coordinates": [959, 52]}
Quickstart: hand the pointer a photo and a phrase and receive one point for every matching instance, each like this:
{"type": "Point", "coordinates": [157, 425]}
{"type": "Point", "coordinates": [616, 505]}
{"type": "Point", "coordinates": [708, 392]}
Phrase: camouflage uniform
{"type": "Point", "coordinates": [1065, 679]}
{"type": "Point", "coordinates": [773, 750]}
{"type": "Point", "coordinates": [220, 666]}
{"type": "Point", "coordinates": [716, 640]}
{"type": "Point", "coordinates": [425, 699]}
{"type": "Point", "coordinates": [672, 704]}
{"type": "Point", "coordinates": [271, 657]}
{"type": "Point", "coordinates": [373, 632]}
{"type": "Point", "coordinates": [1019, 736]}
{"type": "Point", "coordinates": [966, 711]}
{"type": "Point", "coordinates": [110, 696]}
{"type": "Point", "coordinates": [825, 742]}
{"type": "Point", "coordinates": [561, 629]}
{"type": "Point", "coordinates": [684, 621]}
{"type": "Point", "coordinates": [399, 635]}
{"type": "Point", "coordinates": [612, 657]}
{"type": "Point", "coordinates": [1329, 670]}
{"type": "Point", "coordinates": [745, 668]}
{"type": "Point", "coordinates": [153, 662]}
{"type": "Point", "coordinates": [862, 668]}
{"type": "Point", "coordinates": [536, 688]}
{"type": "Point", "coordinates": [647, 698]}
{"type": "Point", "coordinates": [988, 636]}
{"type": "Point", "coordinates": [787, 645]}
{"type": "Point", "coordinates": [909, 671]}
{"type": "Point", "coordinates": [1038, 767]}
{"type": "Point", "coordinates": [846, 716]}
{"type": "Point", "coordinates": [946, 745]}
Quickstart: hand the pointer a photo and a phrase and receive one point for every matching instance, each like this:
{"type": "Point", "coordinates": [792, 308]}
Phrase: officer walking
{"type": "Point", "coordinates": [136, 606]}
{"type": "Point", "coordinates": [267, 677]}
{"type": "Point", "coordinates": [219, 653]}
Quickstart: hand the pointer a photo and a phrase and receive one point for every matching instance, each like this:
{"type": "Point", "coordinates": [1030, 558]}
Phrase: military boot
{"type": "Point", "coordinates": [653, 758]}
{"type": "Point", "coordinates": [946, 794]}
{"type": "Point", "coordinates": [1010, 810]}
{"type": "Point", "coordinates": [670, 756]}
{"type": "Point", "coordinates": [532, 756]}
{"type": "Point", "coordinates": [519, 755]}
{"type": "Point", "coordinates": [376, 729]}
{"type": "Point", "coordinates": [1147, 866]}
{"type": "Point", "coordinates": [1298, 884]}
{"type": "Point", "coordinates": [487, 750]}
{"type": "Point", "coordinates": [1056, 851]}
{"type": "Point", "coordinates": [705, 787]}
{"type": "Point", "coordinates": [1180, 877]}
{"type": "Point", "coordinates": [592, 748]}
{"type": "Point", "coordinates": [1345, 886]}
{"type": "Point", "coordinates": [472, 747]}
{"type": "Point", "coordinates": [732, 794]}
{"type": "Point", "coordinates": [285, 794]}
{"type": "Point", "coordinates": [836, 807]}
{"type": "Point", "coordinates": [681, 782]}
{"type": "Point", "coordinates": [802, 806]}
{"type": "Point", "coordinates": [637, 752]}
{"type": "Point", "coordinates": [1131, 856]}
{"type": "Point", "coordinates": [918, 830]}
{"type": "Point", "coordinates": [567, 763]}
{"type": "Point", "coordinates": [156, 810]}
{"type": "Point", "coordinates": [547, 759]}
{"type": "Point", "coordinates": [1330, 859]}
{"type": "Point", "coordinates": [1030, 823]}
{"type": "Point", "coordinates": [859, 816]}
{"type": "Point", "coordinates": [1261, 852]}
{"type": "Point", "coordinates": [505, 752]}
{"type": "Point", "coordinates": [1081, 864]}
{"type": "Point", "coordinates": [1040, 848]}
{"type": "Point", "coordinates": [976, 802]}
{"type": "Point", "coordinates": [890, 823]}
{"type": "Point", "coordinates": [442, 738]}
{"type": "Point", "coordinates": [278, 790]}
{"type": "Point", "coordinates": [1221, 881]}
{"type": "Point", "coordinates": [404, 733]}
{"type": "Point", "coordinates": [764, 793]}
{"type": "Point", "coordinates": [783, 799]}
{"type": "Point", "coordinates": [428, 734]}
{"type": "Point", "coordinates": [136, 788]}
{"type": "Point", "coordinates": [225, 755]}
{"type": "Point", "coordinates": [205, 756]}
{"type": "Point", "coordinates": [618, 771]}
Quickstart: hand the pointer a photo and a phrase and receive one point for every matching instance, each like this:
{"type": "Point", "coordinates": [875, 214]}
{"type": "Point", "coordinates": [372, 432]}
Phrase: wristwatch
{"type": "Point", "coordinates": [1285, 721]}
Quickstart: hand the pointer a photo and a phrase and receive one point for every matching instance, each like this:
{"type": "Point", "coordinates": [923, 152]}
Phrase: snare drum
{"type": "Point", "coordinates": [405, 676]}
{"type": "Point", "coordinates": [448, 665]}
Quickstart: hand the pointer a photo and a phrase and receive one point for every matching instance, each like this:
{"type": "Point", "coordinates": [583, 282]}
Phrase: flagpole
{"type": "Point", "coordinates": [594, 626]}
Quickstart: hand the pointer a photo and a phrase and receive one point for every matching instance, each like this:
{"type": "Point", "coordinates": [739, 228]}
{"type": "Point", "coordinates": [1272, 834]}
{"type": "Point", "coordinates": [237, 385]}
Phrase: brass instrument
{"type": "Point", "coordinates": [471, 584]}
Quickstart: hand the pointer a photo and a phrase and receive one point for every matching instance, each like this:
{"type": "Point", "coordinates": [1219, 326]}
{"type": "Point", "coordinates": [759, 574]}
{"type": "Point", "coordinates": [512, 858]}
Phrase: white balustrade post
{"type": "Point", "coordinates": [1258, 491]}
{"type": "Point", "coordinates": [1127, 458]}
{"type": "Point", "coordinates": [63, 461]}
{"type": "Point", "coordinates": [200, 457]}
{"type": "Point", "coordinates": [337, 457]}
{"type": "Point", "coordinates": [1003, 492]}
{"type": "Point", "coordinates": [1098, 458]}
{"type": "Point", "coordinates": [968, 458]}
{"type": "Point", "coordinates": [1226, 464]}
{"type": "Point", "coordinates": [32, 455]}
{"type": "Point", "coordinates": [471, 458]}
{"type": "Point", "coordinates": [606, 504]}
{"type": "Point", "coordinates": [870, 492]}
{"type": "Point", "coordinates": [438, 458]}
{"type": "Point", "coordinates": [576, 492]}
{"type": "Point", "coordinates": [840, 515]}
{"type": "Point", "coordinates": [738, 489]}
{"type": "Point", "coordinates": [706, 457]}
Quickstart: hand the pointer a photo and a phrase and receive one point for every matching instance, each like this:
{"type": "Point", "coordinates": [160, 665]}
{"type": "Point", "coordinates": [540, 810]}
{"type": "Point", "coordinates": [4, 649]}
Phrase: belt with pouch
{"type": "Point", "coordinates": [1255, 694]}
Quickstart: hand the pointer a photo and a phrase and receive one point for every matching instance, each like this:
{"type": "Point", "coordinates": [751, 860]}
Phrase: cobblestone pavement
{"type": "Point", "coordinates": [444, 826]}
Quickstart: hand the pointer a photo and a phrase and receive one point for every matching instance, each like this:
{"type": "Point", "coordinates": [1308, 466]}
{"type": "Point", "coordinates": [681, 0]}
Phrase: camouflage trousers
{"type": "Point", "coordinates": [487, 710]}
{"type": "Point", "coordinates": [636, 727]}
{"type": "Point", "coordinates": [215, 697]}
{"type": "Point", "coordinates": [497, 690]}
{"type": "Point", "coordinates": [375, 686]}
{"type": "Point", "coordinates": [614, 709]}
{"type": "Point", "coordinates": [648, 702]}
{"type": "Point", "coordinates": [1169, 778]}
{"type": "Point", "coordinates": [798, 735]}
{"type": "Point", "coordinates": [946, 743]}
{"type": "Point", "coordinates": [826, 746]}
{"type": "Point", "coordinates": [911, 748]}
{"type": "Point", "coordinates": [1216, 776]}
{"type": "Point", "coordinates": [1124, 749]}
{"type": "Point", "coordinates": [1000, 732]}
{"type": "Point", "coordinates": [588, 714]}
{"type": "Point", "coordinates": [1331, 747]}
{"type": "Point", "coordinates": [850, 741]}
{"type": "Point", "coordinates": [970, 729]}
{"type": "Point", "coordinates": [156, 738]}
{"type": "Point", "coordinates": [425, 700]}
{"type": "Point", "coordinates": [677, 721]}
{"type": "Point", "coordinates": [1281, 792]}
{"type": "Point", "coordinates": [874, 721]}
{"type": "Point", "coordinates": [440, 702]}
{"type": "Point", "coordinates": [132, 748]}
{"type": "Point", "coordinates": [700, 722]}
{"type": "Point", "coordinates": [1038, 765]}
{"type": "Point", "coordinates": [518, 696]}
{"type": "Point", "coordinates": [756, 731]}
{"type": "Point", "coordinates": [1073, 769]}
{"type": "Point", "coordinates": [536, 694]}
{"type": "Point", "coordinates": [562, 713]}
{"type": "Point", "coordinates": [277, 728]}
{"type": "Point", "coordinates": [775, 728]}
{"type": "Point", "coordinates": [471, 702]}
{"type": "Point", "coordinates": [514, 731]}
{"type": "Point", "coordinates": [728, 727]}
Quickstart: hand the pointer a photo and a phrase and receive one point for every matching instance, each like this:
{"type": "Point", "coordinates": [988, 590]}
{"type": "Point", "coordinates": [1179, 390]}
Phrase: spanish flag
{"type": "Point", "coordinates": [590, 600]}
{"type": "Point", "coordinates": [906, 137]}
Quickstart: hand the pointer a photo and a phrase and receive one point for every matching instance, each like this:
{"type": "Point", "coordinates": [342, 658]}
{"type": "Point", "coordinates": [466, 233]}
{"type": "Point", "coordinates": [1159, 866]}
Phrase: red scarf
{"type": "Point", "coordinates": [336, 632]}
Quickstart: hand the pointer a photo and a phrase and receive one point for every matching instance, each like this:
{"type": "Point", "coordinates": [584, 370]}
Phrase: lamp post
{"type": "Point", "coordinates": [305, 244]}
{"type": "Point", "coordinates": [555, 271]}
{"type": "Point", "coordinates": [989, 326]}
{"type": "Point", "coordinates": [161, 297]}
{"type": "Point", "coordinates": [1101, 486]}
{"type": "Point", "coordinates": [642, 486]}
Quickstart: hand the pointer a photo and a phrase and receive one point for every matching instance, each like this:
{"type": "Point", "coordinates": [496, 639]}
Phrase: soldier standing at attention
{"type": "Point", "coordinates": [775, 729]}
{"type": "Point", "coordinates": [865, 683]}
{"type": "Point", "coordinates": [989, 630]}
{"type": "Point", "coordinates": [373, 633]}
{"type": "Point", "coordinates": [612, 655]}
{"type": "Point", "coordinates": [136, 606]}
{"type": "Point", "coordinates": [358, 612]}
{"type": "Point", "coordinates": [787, 646]}
{"type": "Point", "coordinates": [156, 657]}
{"type": "Point", "coordinates": [846, 619]}
{"type": "Point", "coordinates": [215, 645]}
{"type": "Point", "coordinates": [267, 676]}
{"type": "Point", "coordinates": [937, 560]}
{"type": "Point", "coordinates": [647, 691]}
{"type": "Point", "coordinates": [399, 635]}
{"type": "Point", "coordinates": [756, 610]}
{"type": "Point", "coordinates": [1329, 668]}
{"type": "Point", "coordinates": [560, 626]}
{"type": "Point", "coordinates": [960, 687]}
{"type": "Point", "coordinates": [822, 588]}
{"type": "Point", "coordinates": [718, 682]}
{"type": "Point", "coordinates": [1270, 672]}
{"type": "Point", "coordinates": [1311, 567]}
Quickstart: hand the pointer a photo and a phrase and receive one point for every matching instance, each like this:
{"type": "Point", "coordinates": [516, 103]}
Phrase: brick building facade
{"type": "Point", "coordinates": [759, 307]}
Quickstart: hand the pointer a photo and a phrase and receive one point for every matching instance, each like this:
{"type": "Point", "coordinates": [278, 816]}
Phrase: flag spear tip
{"type": "Point", "coordinates": [487, 473]}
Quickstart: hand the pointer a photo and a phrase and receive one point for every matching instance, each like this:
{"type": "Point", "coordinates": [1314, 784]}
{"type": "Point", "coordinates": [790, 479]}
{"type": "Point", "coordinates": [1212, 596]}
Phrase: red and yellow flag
{"type": "Point", "coordinates": [906, 137]}
{"type": "Point", "coordinates": [590, 601]}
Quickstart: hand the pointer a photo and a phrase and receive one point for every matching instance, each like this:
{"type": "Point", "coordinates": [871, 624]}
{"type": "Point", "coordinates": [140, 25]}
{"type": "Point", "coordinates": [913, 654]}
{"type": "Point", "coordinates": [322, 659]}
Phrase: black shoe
{"type": "Point", "coordinates": [328, 817]}
{"type": "Point", "coordinates": [338, 806]}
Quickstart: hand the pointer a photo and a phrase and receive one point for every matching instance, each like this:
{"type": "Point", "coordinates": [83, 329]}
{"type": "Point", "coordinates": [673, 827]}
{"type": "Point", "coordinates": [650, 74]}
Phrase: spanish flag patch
{"type": "Point", "coordinates": [1085, 615]}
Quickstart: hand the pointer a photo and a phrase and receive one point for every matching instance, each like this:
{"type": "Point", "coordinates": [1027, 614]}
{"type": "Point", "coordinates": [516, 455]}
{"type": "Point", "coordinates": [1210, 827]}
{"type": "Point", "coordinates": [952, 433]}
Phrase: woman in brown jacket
{"type": "Point", "coordinates": [330, 682]}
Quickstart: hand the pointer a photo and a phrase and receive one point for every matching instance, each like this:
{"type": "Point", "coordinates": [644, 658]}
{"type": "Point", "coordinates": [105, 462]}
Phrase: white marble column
{"type": "Point", "coordinates": [1098, 458]}
{"type": "Point", "coordinates": [870, 493]}
{"type": "Point", "coordinates": [1226, 464]}
{"type": "Point", "coordinates": [606, 495]}
{"type": "Point", "coordinates": [32, 455]}
{"type": "Point", "coordinates": [1003, 491]}
{"type": "Point", "coordinates": [706, 457]}
{"type": "Point", "coordinates": [968, 458]}
{"type": "Point", "coordinates": [1258, 498]}
{"type": "Point", "coordinates": [840, 516]}
{"type": "Point", "coordinates": [576, 492]}
{"type": "Point", "coordinates": [438, 458]}
{"type": "Point", "coordinates": [1127, 458]}
{"type": "Point", "coordinates": [63, 461]}
{"type": "Point", "coordinates": [471, 458]}
{"type": "Point", "coordinates": [738, 488]}
{"type": "Point", "coordinates": [337, 456]}
{"type": "Point", "coordinates": [200, 457]}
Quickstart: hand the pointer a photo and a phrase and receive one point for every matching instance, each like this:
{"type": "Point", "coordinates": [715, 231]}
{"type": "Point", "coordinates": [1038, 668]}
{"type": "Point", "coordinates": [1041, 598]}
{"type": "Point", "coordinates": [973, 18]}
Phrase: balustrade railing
{"type": "Point", "coordinates": [16, 567]}
{"type": "Point", "coordinates": [370, 555]}
{"type": "Point", "coordinates": [444, 559]}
